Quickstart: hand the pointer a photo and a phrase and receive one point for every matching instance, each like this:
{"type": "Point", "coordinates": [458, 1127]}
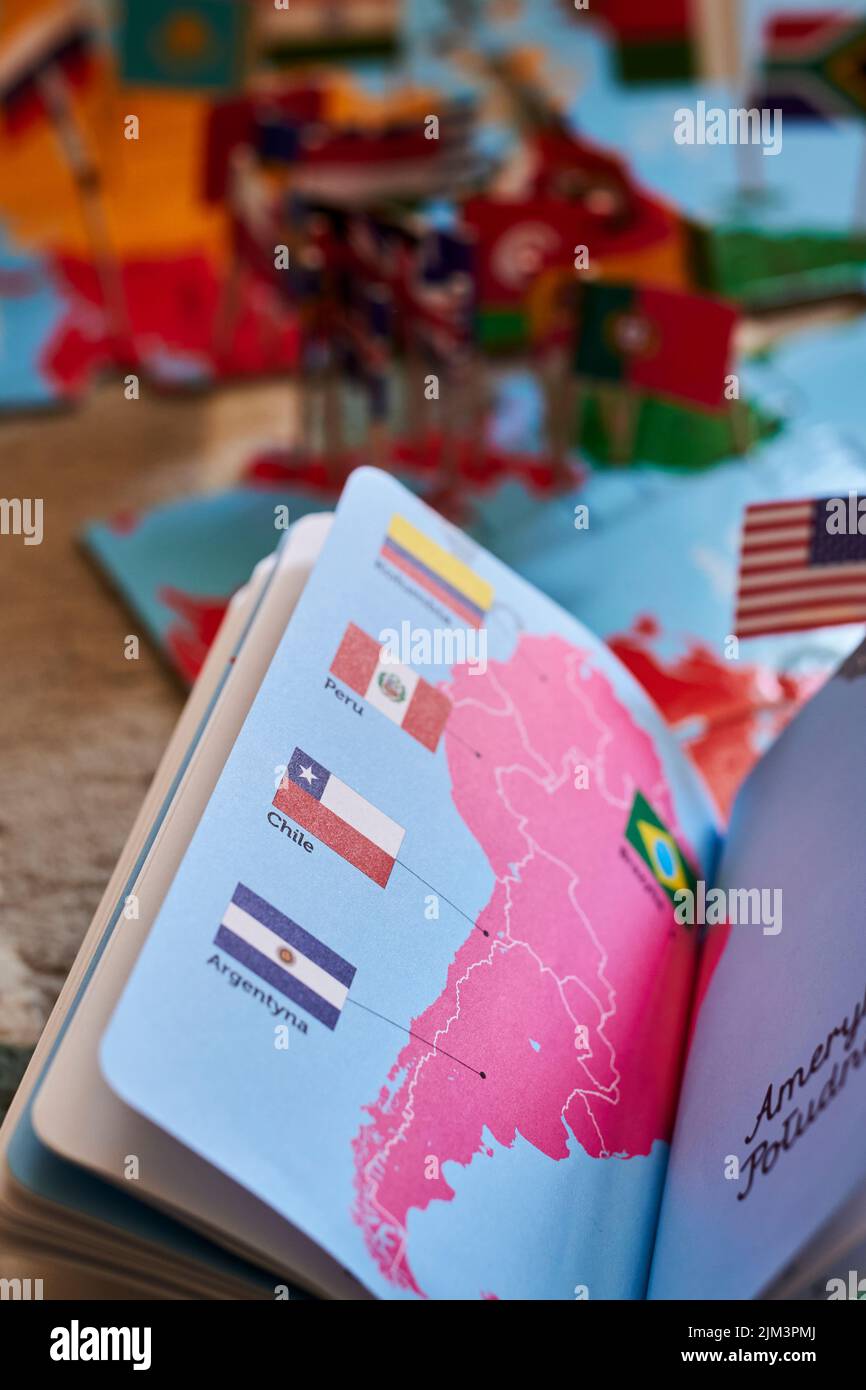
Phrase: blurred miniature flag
{"type": "Point", "coordinates": [518, 241]}
{"type": "Point", "coordinates": [664, 342]}
{"type": "Point", "coordinates": [652, 840]}
{"type": "Point", "coordinates": [795, 572]}
{"type": "Point", "coordinates": [237, 121]}
{"type": "Point", "coordinates": [292, 960]}
{"type": "Point", "coordinates": [397, 691]}
{"type": "Point", "coordinates": [673, 40]}
{"type": "Point", "coordinates": [814, 66]}
{"type": "Point", "coordinates": [655, 42]}
{"type": "Point", "coordinates": [437, 571]}
{"type": "Point", "coordinates": [326, 30]}
{"type": "Point", "coordinates": [361, 165]}
{"type": "Point", "coordinates": [61, 41]}
{"type": "Point", "coordinates": [200, 45]}
{"type": "Point", "coordinates": [352, 827]}
{"type": "Point", "coordinates": [572, 167]}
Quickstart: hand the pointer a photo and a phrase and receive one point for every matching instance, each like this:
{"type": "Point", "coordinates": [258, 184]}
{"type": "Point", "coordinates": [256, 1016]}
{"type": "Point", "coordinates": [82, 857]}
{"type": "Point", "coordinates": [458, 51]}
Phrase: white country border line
{"type": "Point", "coordinates": [550, 783]}
{"type": "Point", "coordinates": [547, 784]}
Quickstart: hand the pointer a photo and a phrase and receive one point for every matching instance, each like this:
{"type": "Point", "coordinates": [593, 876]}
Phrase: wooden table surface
{"type": "Point", "coordinates": [81, 727]}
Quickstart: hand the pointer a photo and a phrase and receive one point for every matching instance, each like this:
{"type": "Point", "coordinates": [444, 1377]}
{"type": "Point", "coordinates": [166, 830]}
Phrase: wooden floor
{"type": "Point", "coordinates": [81, 727]}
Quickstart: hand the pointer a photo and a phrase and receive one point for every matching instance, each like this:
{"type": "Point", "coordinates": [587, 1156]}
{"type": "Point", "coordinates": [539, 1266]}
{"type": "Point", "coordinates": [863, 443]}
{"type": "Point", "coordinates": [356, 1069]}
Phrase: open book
{"type": "Point", "coordinates": [421, 974]}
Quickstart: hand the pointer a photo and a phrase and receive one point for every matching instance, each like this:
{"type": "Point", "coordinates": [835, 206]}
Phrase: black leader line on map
{"type": "Point", "coordinates": [425, 1041]}
{"type": "Point", "coordinates": [473, 925]}
{"type": "Point", "coordinates": [449, 733]}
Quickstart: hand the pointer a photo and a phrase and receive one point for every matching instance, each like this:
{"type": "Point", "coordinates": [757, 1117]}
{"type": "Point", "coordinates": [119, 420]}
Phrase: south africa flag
{"type": "Point", "coordinates": [657, 847]}
{"type": "Point", "coordinates": [815, 66]}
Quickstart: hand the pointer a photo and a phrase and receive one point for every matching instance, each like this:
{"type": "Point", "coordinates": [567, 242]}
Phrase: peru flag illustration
{"type": "Point", "coordinates": [352, 827]}
{"type": "Point", "coordinates": [397, 691]}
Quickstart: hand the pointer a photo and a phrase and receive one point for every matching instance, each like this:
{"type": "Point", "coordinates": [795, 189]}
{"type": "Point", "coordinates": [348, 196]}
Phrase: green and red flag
{"type": "Point", "coordinates": [664, 342]}
{"type": "Point", "coordinates": [814, 66]}
{"type": "Point", "coordinates": [655, 39]}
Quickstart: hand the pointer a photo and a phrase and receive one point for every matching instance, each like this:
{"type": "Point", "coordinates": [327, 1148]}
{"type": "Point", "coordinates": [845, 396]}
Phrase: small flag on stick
{"type": "Point", "coordinates": [802, 566]}
{"type": "Point", "coordinates": [663, 342]}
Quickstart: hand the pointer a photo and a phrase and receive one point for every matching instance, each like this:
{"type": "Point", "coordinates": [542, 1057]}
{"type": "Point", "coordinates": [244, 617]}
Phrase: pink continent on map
{"type": "Point", "coordinates": [574, 1005]}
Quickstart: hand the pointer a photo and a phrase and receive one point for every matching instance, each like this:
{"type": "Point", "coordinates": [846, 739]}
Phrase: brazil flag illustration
{"type": "Point", "coordinates": [658, 848]}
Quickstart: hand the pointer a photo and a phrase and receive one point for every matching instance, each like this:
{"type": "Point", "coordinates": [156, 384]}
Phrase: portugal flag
{"type": "Point", "coordinates": [664, 342]}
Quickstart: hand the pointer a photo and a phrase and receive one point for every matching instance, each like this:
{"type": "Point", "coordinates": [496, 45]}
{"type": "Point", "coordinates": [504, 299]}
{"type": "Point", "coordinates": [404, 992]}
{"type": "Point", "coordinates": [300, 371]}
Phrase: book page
{"type": "Point", "coordinates": [416, 984]}
{"type": "Point", "coordinates": [770, 1137]}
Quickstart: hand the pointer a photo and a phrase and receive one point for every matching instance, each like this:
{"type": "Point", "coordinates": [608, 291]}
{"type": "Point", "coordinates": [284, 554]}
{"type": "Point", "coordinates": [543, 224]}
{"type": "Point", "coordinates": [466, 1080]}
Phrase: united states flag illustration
{"type": "Point", "coordinates": [292, 960]}
{"type": "Point", "coordinates": [338, 816]}
{"type": "Point", "coordinates": [795, 573]}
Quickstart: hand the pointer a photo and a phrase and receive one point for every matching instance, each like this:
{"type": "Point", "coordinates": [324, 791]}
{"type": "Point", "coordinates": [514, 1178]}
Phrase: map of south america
{"type": "Point", "coordinates": [574, 1003]}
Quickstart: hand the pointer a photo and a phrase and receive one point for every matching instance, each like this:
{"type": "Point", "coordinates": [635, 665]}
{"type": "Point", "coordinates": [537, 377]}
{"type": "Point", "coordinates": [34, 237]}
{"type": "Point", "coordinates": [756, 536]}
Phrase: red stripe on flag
{"type": "Point", "coordinates": [842, 599]}
{"type": "Point", "coordinates": [752, 544]}
{"type": "Point", "coordinates": [356, 660]}
{"type": "Point", "coordinates": [759, 526]}
{"type": "Point", "coordinates": [800, 578]}
{"type": "Point", "coordinates": [805, 36]}
{"type": "Point", "coordinates": [334, 832]}
{"type": "Point", "coordinates": [427, 715]}
{"type": "Point", "coordinates": [774, 624]}
{"type": "Point", "coordinates": [645, 22]}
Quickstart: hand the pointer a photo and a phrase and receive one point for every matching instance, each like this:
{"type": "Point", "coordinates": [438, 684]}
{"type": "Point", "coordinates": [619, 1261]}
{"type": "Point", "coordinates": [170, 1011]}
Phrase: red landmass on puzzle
{"type": "Point", "coordinates": [172, 306]}
{"type": "Point", "coordinates": [188, 640]}
{"type": "Point", "coordinates": [735, 708]}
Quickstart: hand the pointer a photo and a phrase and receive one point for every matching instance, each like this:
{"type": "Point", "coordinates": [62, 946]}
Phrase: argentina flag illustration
{"type": "Point", "coordinates": [292, 960]}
